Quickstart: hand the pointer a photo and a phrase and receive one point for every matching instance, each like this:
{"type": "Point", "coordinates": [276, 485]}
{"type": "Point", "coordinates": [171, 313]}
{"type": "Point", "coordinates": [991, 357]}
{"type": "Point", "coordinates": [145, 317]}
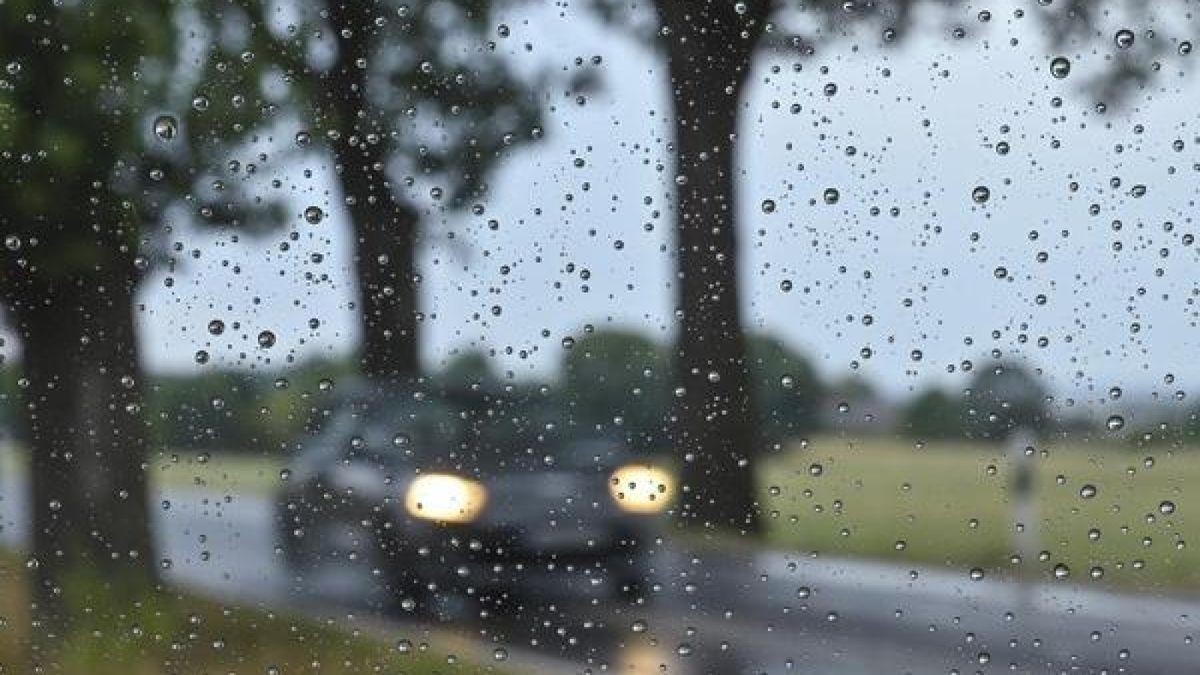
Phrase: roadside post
{"type": "Point", "coordinates": [1021, 456]}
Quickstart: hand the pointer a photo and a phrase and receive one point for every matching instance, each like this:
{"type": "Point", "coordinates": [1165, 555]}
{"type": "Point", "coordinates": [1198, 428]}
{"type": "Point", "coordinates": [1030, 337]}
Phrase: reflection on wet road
{"type": "Point", "coordinates": [711, 611]}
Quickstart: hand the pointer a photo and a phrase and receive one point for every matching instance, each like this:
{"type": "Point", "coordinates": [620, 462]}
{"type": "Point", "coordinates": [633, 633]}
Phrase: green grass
{"type": "Point", "coordinates": [221, 473]}
{"type": "Point", "coordinates": [950, 504]}
{"type": "Point", "coordinates": [168, 633]}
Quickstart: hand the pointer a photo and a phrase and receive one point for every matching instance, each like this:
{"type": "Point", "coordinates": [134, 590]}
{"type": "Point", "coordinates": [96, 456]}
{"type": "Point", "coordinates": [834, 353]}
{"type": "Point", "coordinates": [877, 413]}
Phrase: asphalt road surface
{"type": "Point", "coordinates": [712, 611]}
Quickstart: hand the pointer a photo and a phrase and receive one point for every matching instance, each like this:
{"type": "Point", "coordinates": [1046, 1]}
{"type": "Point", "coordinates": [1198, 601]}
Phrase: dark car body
{"type": "Point", "coordinates": [549, 516]}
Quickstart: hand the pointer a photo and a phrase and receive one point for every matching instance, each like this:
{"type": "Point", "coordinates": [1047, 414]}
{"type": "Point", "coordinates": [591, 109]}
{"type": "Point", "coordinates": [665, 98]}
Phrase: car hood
{"type": "Point", "coordinates": [549, 499]}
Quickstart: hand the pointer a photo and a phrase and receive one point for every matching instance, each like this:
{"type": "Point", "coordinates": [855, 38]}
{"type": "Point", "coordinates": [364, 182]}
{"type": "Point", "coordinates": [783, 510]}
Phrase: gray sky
{"type": "Point", "coordinates": [923, 120]}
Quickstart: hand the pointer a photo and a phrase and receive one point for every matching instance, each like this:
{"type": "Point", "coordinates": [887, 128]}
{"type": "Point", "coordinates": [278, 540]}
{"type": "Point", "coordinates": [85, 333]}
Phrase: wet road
{"type": "Point", "coordinates": [713, 611]}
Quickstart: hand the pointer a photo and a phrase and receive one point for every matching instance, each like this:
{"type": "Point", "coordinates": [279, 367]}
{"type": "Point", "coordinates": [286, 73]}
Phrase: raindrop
{"type": "Point", "coordinates": [1124, 38]}
{"type": "Point", "coordinates": [1088, 491]}
{"type": "Point", "coordinates": [830, 195]}
{"type": "Point", "coordinates": [166, 127]}
{"type": "Point", "coordinates": [1167, 507]}
{"type": "Point", "coordinates": [1115, 423]}
{"type": "Point", "coordinates": [1060, 67]}
{"type": "Point", "coordinates": [266, 339]}
{"type": "Point", "coordinates": [314, 215]}
{"type": "Point", "coordinates": [980, 194]}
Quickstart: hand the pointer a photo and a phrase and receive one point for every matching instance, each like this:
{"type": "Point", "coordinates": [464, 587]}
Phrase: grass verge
{"type": "Point", "coordinates": [171, 633]}
{"type": "Point", "coordinates": [952, 504]}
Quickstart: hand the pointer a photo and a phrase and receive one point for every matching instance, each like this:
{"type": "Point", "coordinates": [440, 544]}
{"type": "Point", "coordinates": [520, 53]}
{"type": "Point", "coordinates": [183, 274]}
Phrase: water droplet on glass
{"type": "Point", "coordinates": [313, 215]}
{"type": "Point", "coordinates": [266, 339]}
{"type": "Point", "coordinates": [1060, 67]}
{"type": "Point", "coordinates": [1088, 491]}
{"type": "Point", "coordinates": [1167, 507]}
{"type": "Point", "coordinates": [1115, 423]}
{"type": "Point", "coordinates": [830, 195]}
{"type": "Point", "coordinates": [166, 127]}
{"type": "Point", "coordinates": [980, 194]}
{"type": "Point", "coordinates": [1124, 38]}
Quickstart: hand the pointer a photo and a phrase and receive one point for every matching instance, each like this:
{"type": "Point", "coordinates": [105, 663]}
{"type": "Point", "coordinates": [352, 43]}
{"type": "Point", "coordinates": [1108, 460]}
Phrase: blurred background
{"type": "Point", "coordinates": [841, 336]}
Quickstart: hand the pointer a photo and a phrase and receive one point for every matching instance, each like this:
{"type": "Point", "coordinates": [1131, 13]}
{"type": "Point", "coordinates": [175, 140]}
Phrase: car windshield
{"type": "Point", "coordinates": [468, 431]}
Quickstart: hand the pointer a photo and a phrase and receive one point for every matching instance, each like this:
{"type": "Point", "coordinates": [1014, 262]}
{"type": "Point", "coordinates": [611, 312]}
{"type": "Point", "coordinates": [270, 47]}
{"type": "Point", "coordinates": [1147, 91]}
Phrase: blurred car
{"type": "Point", "coordinates": [440, 496]}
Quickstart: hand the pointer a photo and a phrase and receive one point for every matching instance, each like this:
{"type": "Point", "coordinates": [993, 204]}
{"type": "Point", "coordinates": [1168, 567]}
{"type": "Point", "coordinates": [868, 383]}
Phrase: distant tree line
{"type": "Point", "coordinates": [614, 383]}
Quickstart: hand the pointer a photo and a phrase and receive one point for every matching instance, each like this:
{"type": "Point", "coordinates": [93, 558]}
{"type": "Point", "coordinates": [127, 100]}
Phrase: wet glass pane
{"type": "Point", "coordinates": [678, 336]}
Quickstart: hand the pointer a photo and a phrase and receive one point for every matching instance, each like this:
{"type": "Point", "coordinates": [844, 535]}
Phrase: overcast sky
{"type": "Point", "coordinates": [911, 128]}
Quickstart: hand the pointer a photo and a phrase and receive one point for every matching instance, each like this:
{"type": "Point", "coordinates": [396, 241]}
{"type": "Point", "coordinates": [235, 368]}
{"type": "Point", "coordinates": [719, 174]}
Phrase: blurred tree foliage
{"type": "Point", "coordinates": [467, 368]}
{"type": "Point", "coordinates": [241, 412]}
{"type": "Point", "coordinates": [1001, 398]}
{"type": "Point", "coordinates": [617, 383]}
{"type": "Point", "coordinates": [933, 414]}
{"type": "Point", "coordinates": [415, 103]}
{"type": "Point", "coordinates": [787, 387]}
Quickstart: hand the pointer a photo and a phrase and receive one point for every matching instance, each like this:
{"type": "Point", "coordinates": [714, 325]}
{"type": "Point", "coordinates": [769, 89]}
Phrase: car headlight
{"type": "Point", "coordinates": [445, 498]}
{"type": "Point", "coordinates": [641, 488]}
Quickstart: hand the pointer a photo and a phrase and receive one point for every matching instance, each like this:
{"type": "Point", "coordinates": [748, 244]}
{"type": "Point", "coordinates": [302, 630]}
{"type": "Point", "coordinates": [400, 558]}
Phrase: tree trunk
{"type": "Point", "coordinates": [48, 361]}
{"type": "Point", "coordinates": [709, 49]}
{"type": "Point", "coordinates": [385, 228]}
{"type": "Point", "coordinates": [87, 445]}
